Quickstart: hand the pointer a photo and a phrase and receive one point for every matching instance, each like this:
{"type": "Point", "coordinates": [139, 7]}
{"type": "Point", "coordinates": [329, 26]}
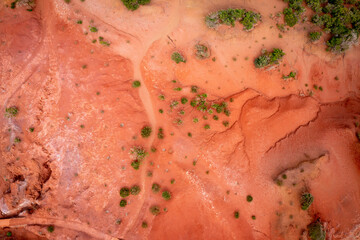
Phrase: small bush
{"type": "Point", "coordinates": [161, 133]}
{"type": "Point", "coordinates": [136, 84]}
{"type": "Point", "coordinates": [138, 153]}
{"type": "Point", "coordinates": [236, 214]}
{"type": "Point", "coordinates": [202, 51]}
{"type": "Point", "coordinates": [178, 58]}
{"type": "Point", "coordinates": [144, 224]}
{"type": "Point", "coordinates": [11, 111]}
{"type": "Point", "coordinates": [291, 75]}
{"type": "Point", "coordinates": [155, 188]}
{"type": "Point", "coordinates": [134, 4]}
{"type": "Point", "coordinates": [123, 203]}
{"type": "Point", "coordinates": [306, 200]}
{"type": "Point", "coordinates": [269, 58]}
{"type": "Point", "coordinates": [261, 61]}
{"type": "Point", "coordinates": [316, 231]}
{"type": "Point", "coordinates": [146, 132]}
{"type": "Point", "coordinates": [166, 195]}
{"type": "Point", "coordinates": [124, 192]}
{"type": "Point", "coordinates": [50, 228]}
{"type": "Point", "coordinates": [290, 18]}
{"type": "Point", "coordinates": [135, 190]}
{"type": "Point", "coordinates": [231, 16]}
{"type": "Point", "coordinates": [314, 36]}
{"type": "Point", "coordinates": [93, 29]}
{"type": "Point", "coordinates": [155, 210]}
{"type": "Point", "coordinates": [249, 198]}
{"type": "Point", "coordinates": [184, 100]}
{"type": "Point", "coordinates": [135, 164]}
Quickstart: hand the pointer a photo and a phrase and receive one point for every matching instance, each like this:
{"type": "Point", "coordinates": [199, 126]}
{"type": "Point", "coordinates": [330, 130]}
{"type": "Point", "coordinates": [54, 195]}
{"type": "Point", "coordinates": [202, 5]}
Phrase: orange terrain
{"type": "Point", "coordinates": [100, 138]}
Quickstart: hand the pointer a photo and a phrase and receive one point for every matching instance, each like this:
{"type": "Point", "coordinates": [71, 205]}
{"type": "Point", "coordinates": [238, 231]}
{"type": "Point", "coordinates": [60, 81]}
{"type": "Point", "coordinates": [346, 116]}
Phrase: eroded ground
{"type": "Point", "coordinates": [79, 116]}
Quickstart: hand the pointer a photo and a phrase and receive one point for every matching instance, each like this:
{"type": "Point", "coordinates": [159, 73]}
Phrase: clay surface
{"type": "Point", "coordinates": [79, 116]}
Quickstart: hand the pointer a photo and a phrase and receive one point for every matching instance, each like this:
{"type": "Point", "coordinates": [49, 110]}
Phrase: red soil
{"type": "Point", "coordinates": [78, 97]}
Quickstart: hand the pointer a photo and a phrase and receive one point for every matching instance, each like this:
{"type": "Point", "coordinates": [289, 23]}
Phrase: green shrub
{"type": "Point", "coordinates": [146, 132]}
{"type": "Point", "coordinates": [161, 133]}
{"type": "Point", "coordinates": [314, 36]}
{"type": "Point", "coordinates": [184, 100]}
{"type": "Point", "coordinates": [134, 4]}
{"type": "Point", "coordinates": [269, 58]}
{"type": "Point", "coordinates": [316, 231]}
{"type": "Point", "coordinates": [178, 58]}
{"type": "Point", "coordinates": [306, 200]}
{"type": "Point", "coordinates": [138, 153]}
{"type": "Point", "coordinates": [124, 192]}
{"type": "Point", "coordinates": [290, 18]}
{"type": "Point", "coordinates": [93, 29]}
{"type": "Point", "coordinates": [166, 195]}
{"type": "Point", "coordinates": [231, 16]}
{"type": "Point", "coordinates": [136, 84]}
{"type": "Point", "coordinates": [135, 190]}
{"type": "Point", "coordinates": [249, 198]}
{"type": "Point", "coordinates": [262, 61]}
{"type": "Point", "coordinates": [236, 214]}
{"type": "Point", "coordinates": [50, 228]}
{"type": "Point", "coordinates": [11, 111]}
{"type": "Point", "coordinates": [135, 164]}
{"type": "Point", "coordinates": [155, 188]}
{"type": "Point", "coordinates": [291, 75]}
{"type": "Point", "coordinates": [155, 210]}
{"type": "Point", "coordinates": [144, 224]}
{"type": "Point", "coordinates": [123, 203]}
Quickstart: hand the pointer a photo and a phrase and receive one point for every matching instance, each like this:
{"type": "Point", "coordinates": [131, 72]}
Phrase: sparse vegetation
{"type": "Point", "coordinates": [11, 111]}
{"type": "Point", "coordinates": [269, 58]}
{"type": "Point", "coordinates": [155, 188]}
{"type": "Point", "coordinates": [146, 132]}
{"type": "Point", "coordinates": [137, 154]}
{"type": "Point", "coordinates": [124, 192]}
{"type": "Point", "coordinates": [236, 214]}
{"type": "Point", "coordinates": [155, 210]}
{"type": "Point", "coordinates": [144, 224]}
{"type": "Point", "coordinates": [135, 190]}
{"type": "Point", "coordinates": [340, 19]}
{"type": "Point", "coordinates": [306, 200]}
{"type": "Point", "coordinates": [161, 133]}
{"type": "Point", "coordinates": [93, 29]}
{"type": "Point", "coordinates": [166, 195]}
{"type": "Point", "coordinates": [230, 16]}
{"type": "Point", "coordinates": [17, 140]}
{"type": "Point", "coordinates": [134, 4]}
{"type": "Point", "coordinates": [202, 51]}
{"type": "Point", "coordinates": [136, 84]}
{"type": "Point", "coordinates": [178, 58]}
{"type": "Point", "coordinates": [291, 75]}
{"type": "Point", "coordinates": [249, 198]}
{"type": "Point", "coordinates": [316, 231]}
